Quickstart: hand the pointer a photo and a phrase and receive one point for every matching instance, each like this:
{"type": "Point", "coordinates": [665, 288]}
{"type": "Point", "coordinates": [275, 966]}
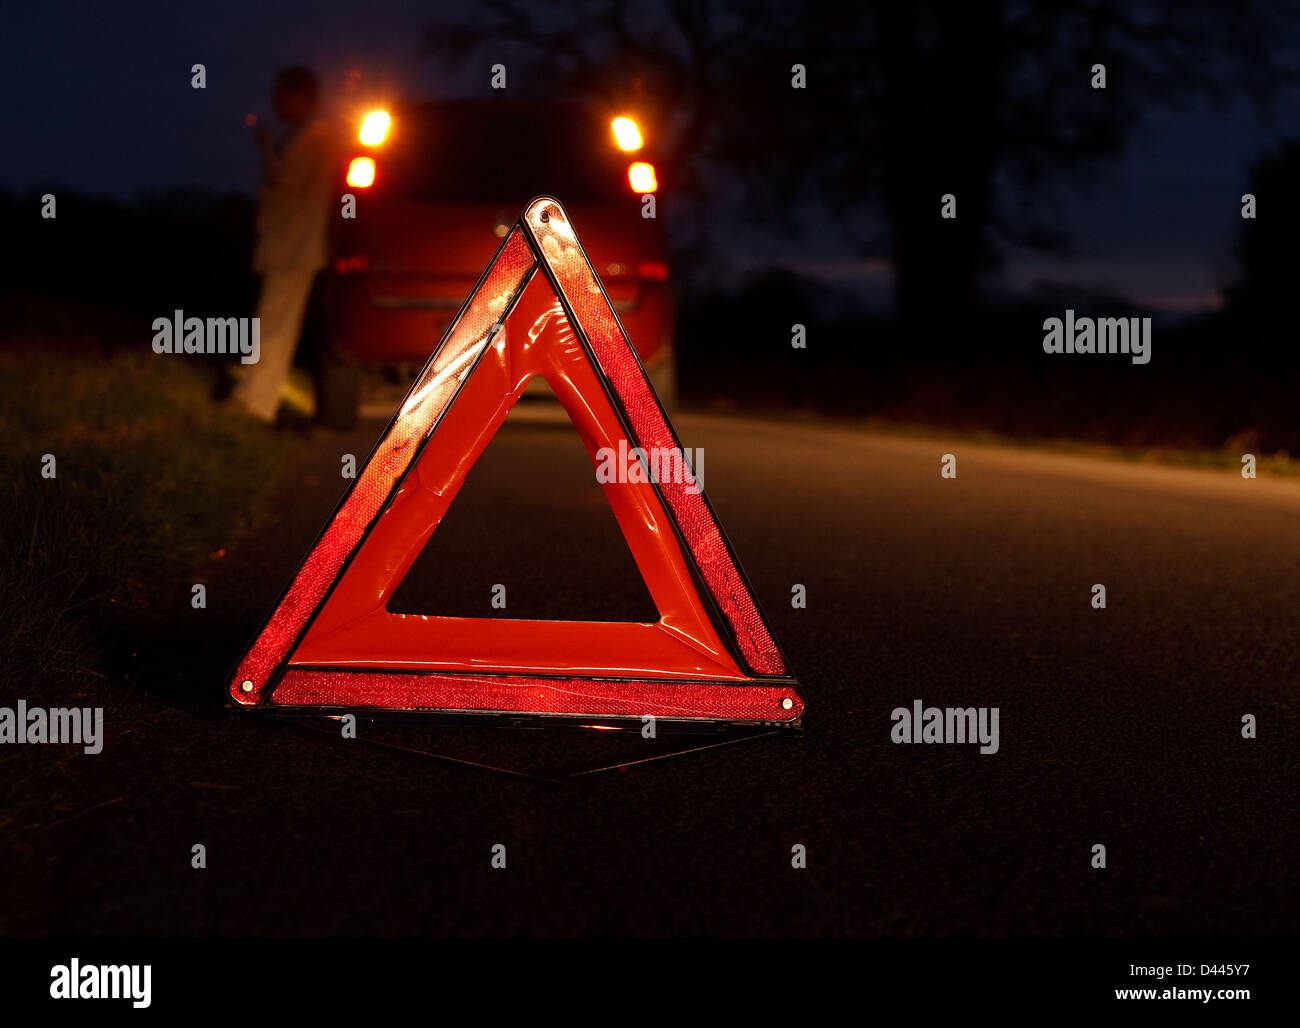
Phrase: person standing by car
{"type": "Point", "coordinates": [292, 233]}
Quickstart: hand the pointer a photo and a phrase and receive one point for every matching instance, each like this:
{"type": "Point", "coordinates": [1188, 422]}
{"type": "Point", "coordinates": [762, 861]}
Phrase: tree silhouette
{"type": "Point", "coordinates": [1265, 287]}
{"type": "Point", "coordinates": [992, 101]}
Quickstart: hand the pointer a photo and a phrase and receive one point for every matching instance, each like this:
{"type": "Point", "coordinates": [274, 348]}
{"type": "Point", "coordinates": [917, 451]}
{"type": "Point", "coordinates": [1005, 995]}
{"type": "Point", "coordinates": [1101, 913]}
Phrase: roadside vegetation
{"type": "Point", "coordinates": [149, 477]}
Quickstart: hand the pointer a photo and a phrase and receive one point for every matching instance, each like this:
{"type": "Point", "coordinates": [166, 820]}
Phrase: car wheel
{"type": "Point", "coordinates": [338, 391]}
{"type": "Point", "coordinates": [663, 378]}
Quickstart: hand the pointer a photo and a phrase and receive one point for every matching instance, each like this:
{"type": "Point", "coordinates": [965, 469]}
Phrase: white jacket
{"type": "Point", "coordinates": [294, 213]}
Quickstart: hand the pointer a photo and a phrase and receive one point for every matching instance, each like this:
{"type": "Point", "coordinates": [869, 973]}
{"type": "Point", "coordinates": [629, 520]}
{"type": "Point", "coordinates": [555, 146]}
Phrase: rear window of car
{"type": "Point", "coordinates": [497, 152]}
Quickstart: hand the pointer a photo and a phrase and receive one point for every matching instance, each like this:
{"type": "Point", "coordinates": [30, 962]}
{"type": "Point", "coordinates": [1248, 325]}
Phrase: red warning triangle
{"type": "Point", "coordinates": [331, 643]}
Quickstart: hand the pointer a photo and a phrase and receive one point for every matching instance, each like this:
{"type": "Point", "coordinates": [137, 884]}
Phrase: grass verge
{"type": "Point", "coordinates": [149, 475]}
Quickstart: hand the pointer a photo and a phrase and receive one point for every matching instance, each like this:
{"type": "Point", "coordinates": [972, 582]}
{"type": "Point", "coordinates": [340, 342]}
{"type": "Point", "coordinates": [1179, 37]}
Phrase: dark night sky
{"type": "Point", "coordinates": [100, 101]}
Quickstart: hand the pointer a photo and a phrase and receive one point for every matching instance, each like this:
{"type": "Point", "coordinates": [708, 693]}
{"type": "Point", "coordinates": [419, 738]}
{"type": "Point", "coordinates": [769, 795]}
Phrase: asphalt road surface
{"type": "Point", "coordinates": [1119, 727]}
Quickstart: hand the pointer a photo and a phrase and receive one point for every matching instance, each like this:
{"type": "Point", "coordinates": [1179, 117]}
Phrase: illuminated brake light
{"type": "Point", "coordinates": [361, 172]}
{"type": "Point", "coordinates": [641, 177]}
{"type": "Point", "coordinates": [626, 133]}
{"type": "Point", "coordinates": [655, 271]}
{"type": "Point", "coordinates": [375, 127]}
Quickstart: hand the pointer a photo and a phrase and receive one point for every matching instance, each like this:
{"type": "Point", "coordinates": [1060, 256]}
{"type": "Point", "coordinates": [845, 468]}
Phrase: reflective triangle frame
{"type": "Point", "coordinates": [330, 646]}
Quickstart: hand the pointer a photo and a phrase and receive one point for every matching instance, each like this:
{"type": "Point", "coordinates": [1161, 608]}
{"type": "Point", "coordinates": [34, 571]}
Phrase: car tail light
{"type": "Point", "coordinates": [641, 176]}
{"type": "Point", "coordinates": [375, 127]}
{"type": "Point", "coordinates": [656, 271]}
{"type": "Point", "coordinates": [626, 133]}
{"type": "Point", "coordinates": [346, 265]}
{"type": "Point", "coordinates": [361, 172]}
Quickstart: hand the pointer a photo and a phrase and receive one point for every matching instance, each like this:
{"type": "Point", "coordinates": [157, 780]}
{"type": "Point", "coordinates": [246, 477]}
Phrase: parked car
{"type": "Point", "coordinates": [438, 186]}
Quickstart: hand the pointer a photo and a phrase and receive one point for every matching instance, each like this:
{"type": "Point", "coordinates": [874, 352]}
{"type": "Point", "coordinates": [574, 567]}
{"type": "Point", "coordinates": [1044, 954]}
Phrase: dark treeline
{"type": "Point", "coordinates": [103, 269]}
{"type": "Point", "coordinates": [101, 263]}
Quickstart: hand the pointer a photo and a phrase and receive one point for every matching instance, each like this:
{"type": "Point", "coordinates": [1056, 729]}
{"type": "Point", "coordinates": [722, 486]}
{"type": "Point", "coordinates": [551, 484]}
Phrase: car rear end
{"type": "Point", "coordinates": [440, 189]}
